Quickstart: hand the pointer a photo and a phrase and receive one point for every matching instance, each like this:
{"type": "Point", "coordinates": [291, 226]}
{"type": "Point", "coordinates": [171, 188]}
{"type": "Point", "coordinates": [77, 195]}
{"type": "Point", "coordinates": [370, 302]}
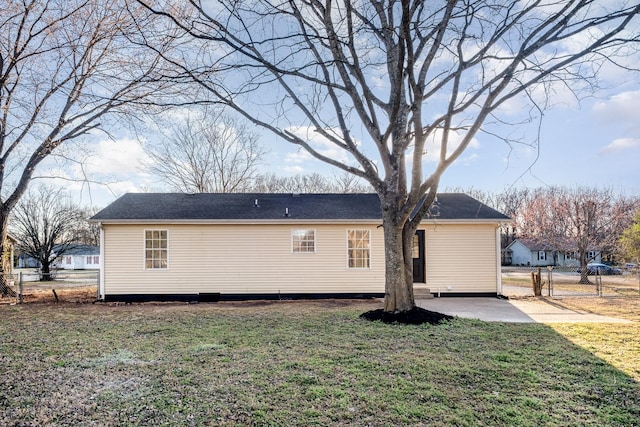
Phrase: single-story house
{"type": "Point", "coordinates": [26, 261]}
{"type": "Point", "coordinates": [528, 252]}
{"type": "Point", "coordinates": [79, 257]}
{"type": "Point", "coordinates": [237, 246]}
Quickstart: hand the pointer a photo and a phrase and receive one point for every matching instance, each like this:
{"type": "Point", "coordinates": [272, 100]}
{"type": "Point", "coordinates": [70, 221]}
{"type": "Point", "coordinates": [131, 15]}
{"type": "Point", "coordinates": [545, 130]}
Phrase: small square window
{"type": "Point", "coordinates": [303, 241]}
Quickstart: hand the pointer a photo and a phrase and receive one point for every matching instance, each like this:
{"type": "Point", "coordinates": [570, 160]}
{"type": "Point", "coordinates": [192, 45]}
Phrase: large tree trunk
{"type": "Point", "coordinates": [45, 272]}
{"type": "Point", "coordinates": [398, 241]}
{"type": "Point", "coordinates": [584, 271]}
{"type": "Point", "coordinates": [5, 290]}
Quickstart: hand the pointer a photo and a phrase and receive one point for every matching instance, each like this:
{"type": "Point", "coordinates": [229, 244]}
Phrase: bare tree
{"type": "Point", "coordinates": [212, 153]}
{"type": "Point", "coordinates": [346, 182]}
{"type": "Point", "coordinates": [67, 69]}
{"type": "Point", "coordinates": [309, 183]}
{"type": "Point", "coordinates": [630, 240]}
{"type": "Point", "coordinates": [579, 220]}
{"type": "Point", "coordinates": [509, 202]}
{"type": "Point", "coordinates": [87, 233]}
{"type": "Point", "coordinates": [45, 224]}
{"type": "Point", "coordinates": [387, 82]}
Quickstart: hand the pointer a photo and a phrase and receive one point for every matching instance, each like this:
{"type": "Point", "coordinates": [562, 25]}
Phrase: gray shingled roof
{"type": "Point", "coordinates": [272, 206]}
{"type": "Point", "coordinates": [82, 250]}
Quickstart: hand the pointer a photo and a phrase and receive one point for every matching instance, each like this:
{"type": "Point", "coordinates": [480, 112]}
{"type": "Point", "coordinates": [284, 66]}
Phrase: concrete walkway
{"type": "Point", "coordinates": [512, 310]}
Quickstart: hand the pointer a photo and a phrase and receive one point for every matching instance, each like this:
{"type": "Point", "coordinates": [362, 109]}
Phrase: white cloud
{"type": "Point", "coordinates": [298, 156]}
{"type": "Point", "coordinates": [119, 157]}
{"type": "Point", "coordinates": [621, 144]}
{"type": "Point", "coordinates": [620, 108]}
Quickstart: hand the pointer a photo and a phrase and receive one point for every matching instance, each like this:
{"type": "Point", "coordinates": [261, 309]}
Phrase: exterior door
{"type": "Point", "coordinates": [418, 257]}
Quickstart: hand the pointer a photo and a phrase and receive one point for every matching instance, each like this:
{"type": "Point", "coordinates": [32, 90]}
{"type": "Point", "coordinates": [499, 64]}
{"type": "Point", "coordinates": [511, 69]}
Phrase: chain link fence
{"type": "Point", "coordinates": [571, 281]}
{"type": "Point", "coordinates": [30, 285]}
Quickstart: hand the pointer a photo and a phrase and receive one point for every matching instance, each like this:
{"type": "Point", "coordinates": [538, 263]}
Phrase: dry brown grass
{"type": "Point", "coordinates": [65, 295]}
{"type": "Point", "coordinates": [623, 307]}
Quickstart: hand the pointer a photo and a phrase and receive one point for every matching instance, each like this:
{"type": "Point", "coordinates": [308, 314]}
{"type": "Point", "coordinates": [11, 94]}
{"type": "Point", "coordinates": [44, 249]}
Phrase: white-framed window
{"type": "Point", "coordinates": [358, 249]}
{"type": "Point", "coordinates": [542, 255]}
{"type": "Point", "coordinates": [156, 254]}
{"type": "Point", "coordinates": [89, 259]}
{"type": "Point", "coordinates": [96, 259]}
{"type": "Point", "coordinates": [303, 241]}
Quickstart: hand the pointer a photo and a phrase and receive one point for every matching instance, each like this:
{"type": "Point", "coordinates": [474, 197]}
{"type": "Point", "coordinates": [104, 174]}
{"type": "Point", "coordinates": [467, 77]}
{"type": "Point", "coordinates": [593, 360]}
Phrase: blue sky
{"type": "Point", "coordinates": [596, 143]}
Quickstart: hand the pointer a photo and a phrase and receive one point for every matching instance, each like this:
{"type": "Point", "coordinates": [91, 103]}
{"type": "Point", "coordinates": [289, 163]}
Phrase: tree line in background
{"type": "Point", "coordinates": [570, 219]}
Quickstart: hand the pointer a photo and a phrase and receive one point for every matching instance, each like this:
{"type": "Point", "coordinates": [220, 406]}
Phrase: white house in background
{"type": "Point", "coordinates": [526, 252]}
{"type": "Point", "coordinates": [79, 257]}
{"type": "Point", "coordinates": [241, 246]}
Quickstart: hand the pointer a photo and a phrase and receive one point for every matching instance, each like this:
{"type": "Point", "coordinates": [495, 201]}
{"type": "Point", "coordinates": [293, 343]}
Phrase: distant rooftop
{"type": "Point", "coordinates": [135, 207]}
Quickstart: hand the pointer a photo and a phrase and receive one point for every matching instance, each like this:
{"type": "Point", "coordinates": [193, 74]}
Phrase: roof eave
{"type": "Point", "coordinates": [236, 221]}
{"type": "Point", "coordinates": [289, 221]}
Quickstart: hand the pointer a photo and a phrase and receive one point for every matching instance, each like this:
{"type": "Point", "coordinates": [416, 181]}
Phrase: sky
{"type": "Point", "coordinates": [595, 144]}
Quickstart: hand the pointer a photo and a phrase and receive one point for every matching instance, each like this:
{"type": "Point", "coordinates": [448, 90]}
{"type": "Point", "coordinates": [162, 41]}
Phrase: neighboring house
{"type": "Point", "coordinates": [526, 252]}
{"type": "Point", "coordinates": [79, 257]}
{"type": "Point", "coordinates": [237, 246]}
{"type": "Point", "coordinates": [27, 261]}
{"type": "Point", "coordinates": [76, 257]}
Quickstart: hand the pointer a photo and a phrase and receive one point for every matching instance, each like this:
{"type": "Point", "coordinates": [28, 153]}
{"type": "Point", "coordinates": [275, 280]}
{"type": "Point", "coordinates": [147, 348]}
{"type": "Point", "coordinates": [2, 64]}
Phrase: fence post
{"type": "Point", "coordinates": [20, 288]}
{"type": "Point", "coordinates": [550, 280]}
{"type": "Point", "coordinates": [598, 282]}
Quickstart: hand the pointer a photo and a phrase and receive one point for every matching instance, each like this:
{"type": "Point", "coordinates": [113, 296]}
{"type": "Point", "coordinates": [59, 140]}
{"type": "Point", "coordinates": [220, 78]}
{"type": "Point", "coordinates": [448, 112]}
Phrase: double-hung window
{"type": "Point", "coordinates": [155, 249]}
{"type": "Point", "coordinates": [303, 241]}
{"type": "Point", "coordinates": [358, 248]}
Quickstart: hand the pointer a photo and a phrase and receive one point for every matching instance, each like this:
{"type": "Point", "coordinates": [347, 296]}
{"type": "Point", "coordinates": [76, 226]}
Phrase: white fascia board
{"type": "Point", "coordinates": [292, 221]}
{"type": "Point", "coordinates": [239, 222]}
{"type": "Point", "coordinates": [463, 221]}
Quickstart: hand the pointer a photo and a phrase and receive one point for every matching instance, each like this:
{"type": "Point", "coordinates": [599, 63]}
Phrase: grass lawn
{"type": "Point", "coordinates": [307, 363]}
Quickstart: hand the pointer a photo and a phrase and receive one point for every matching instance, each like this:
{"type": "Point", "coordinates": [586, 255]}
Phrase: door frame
{"type": "Point", "coordinates": [419, 263]}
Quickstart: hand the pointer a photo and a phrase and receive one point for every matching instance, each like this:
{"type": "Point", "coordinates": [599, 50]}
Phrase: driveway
{"type": "Point", "coordinates": [512, 310]}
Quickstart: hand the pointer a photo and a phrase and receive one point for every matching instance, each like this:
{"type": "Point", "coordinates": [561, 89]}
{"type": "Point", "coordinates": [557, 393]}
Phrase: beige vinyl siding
{"type": "Point", "coordinates": [239, 259]}
{"type": "Point", "coordinates": [461, 258]}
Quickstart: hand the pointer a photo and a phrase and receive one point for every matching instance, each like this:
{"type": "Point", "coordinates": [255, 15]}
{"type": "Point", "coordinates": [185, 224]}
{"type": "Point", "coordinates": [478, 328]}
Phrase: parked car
{"type": "Point", "coordinates": [602, 269]}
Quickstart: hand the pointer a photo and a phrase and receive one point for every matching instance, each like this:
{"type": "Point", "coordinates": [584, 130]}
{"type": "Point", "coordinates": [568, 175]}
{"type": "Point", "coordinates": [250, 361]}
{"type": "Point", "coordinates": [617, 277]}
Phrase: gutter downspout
{"type": "Point", "coordinates": [101, 284]}
{"type": "Point", "coordinates": [498, 263]}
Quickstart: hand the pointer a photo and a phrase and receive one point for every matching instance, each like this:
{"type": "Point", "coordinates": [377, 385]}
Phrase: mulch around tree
{"type": "Point", "coordinates": [415, 316]}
